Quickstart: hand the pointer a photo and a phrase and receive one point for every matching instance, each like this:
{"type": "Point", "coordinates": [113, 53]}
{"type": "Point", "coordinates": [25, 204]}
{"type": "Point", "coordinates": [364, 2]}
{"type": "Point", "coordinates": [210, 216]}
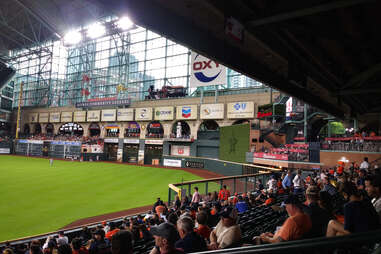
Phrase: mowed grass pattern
{"type": "Point", "coordinates": [36, 198]}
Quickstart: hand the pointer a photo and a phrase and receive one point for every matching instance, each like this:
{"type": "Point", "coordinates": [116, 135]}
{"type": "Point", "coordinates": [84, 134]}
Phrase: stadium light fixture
{"type": "Point", "coordinates": [124, 23]}
{"type": "Point", "coordinates": [72, 37]}
{"type": "Point", "coordinates": [96, 30]}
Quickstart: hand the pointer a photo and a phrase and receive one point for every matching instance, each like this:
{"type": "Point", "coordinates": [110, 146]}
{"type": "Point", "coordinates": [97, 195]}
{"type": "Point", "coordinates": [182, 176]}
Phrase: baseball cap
{"type": "Point", "coordinates": [312, 190]}
{"type": "Point", "coordinates": [229, 212]}
{"type": "Point", "coordinates": [166, 230]}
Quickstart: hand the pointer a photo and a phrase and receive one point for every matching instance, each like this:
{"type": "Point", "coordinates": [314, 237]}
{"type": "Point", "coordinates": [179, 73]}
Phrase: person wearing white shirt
{"type": "Point", "coordinates": [272, 185]}
{"type": "Point", "coordinates": [373, 188]}
{"type": "Point", "coordinates": [365, 164]}
{"type": "Point", "coordinates": [196, 196]}
{"type": "Point", "coordinates": [298, 183]}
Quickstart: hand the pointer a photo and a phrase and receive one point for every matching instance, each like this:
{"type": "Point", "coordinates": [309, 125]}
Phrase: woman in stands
{"type": "Point", "coordinates": [359, 214]}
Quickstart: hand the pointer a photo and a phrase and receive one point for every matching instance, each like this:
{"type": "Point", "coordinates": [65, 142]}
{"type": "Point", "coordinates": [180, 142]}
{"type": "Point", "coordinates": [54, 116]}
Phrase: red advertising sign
{"type": "Point", "coordinates": [353, 138]}
{"type": "Point", "coordinates": [297, 146]}
{"type": "Point", "coordinates": [262, 115]}
{"type": "Point", "coordinates": [283, 157]}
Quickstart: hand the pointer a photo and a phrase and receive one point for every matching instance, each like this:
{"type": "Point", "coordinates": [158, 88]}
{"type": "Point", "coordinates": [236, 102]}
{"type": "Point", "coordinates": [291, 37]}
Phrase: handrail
{"type": "Point", "coordinates": [347, 241]}
{"type": "Point", "coordinates": [220, 178]}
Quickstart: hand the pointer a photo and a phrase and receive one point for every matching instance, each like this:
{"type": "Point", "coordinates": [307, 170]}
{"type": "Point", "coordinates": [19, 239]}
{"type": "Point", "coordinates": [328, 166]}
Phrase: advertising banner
{"type": "Point", "coordinates": [99, 102]}
{"type": "Point", "coordinates": [239, 110]}
{"type": "Point", "coordinates": [180, 150]}
{"type": "Point", "coordinates": [194, 164]}
{"type": "Point", "coordinates": [33, 117]}
{"type": "Point", "coordinates": [93, 116]}
{"type": "Point", "coordinates": [55, 117]}
{"type": "Point", "coordinates": [206, 72]}
{"type": "Point", "coordinates": [153, 142]}
{"type": "Point", "coordinates": [111, 140]}
{"type": "Point", "coordinates": [125, 114]}
{"type": "Point", "coordinates": [67, 117]}
{"type": "Point", "coordinates": [283, 157]}
{"type": "Point", "coordinates": [212, 111]}
{"type": "Point", "coordinates": [164, 113]}
{"type": "Point", "coordinates": [43, 117]}
{"type": "Point", "coordinates": [186, 112]}
{"type": "Point", "coordinates": [80, 116]}
{"type": "Point", "coordinates": [130, 141]}
{"type": "Point", "coordinates": [172, 163]}
{"type": "Point", "coordinates": [108, 115]}
{"type": "Point", "coordinates": [8, 151]}
{"type": "Point", "coordinates": [143, 114]}
{"type": "Point", "coordinates": [288, 108]}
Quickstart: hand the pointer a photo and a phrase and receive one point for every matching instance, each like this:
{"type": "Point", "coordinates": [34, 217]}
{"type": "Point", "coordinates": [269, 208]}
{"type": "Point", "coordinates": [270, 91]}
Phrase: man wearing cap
{"type": "Point", "coordinates": [166, 236]}
{"type": "Point", "coordinates": [319, 216]}
{"type": "Point", "coordinates": [296, 225]}
{"type": "Point", "coordinates": [190, 241]}
{"type": "Point", "coordinates": [100, 244]}
{"type": "Point", "coordinates": [227, 233]}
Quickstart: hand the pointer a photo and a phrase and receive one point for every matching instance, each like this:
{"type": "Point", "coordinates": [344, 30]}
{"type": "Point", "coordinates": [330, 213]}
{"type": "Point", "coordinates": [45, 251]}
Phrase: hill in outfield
{"type": "Point", "coordinates": [37, 198]}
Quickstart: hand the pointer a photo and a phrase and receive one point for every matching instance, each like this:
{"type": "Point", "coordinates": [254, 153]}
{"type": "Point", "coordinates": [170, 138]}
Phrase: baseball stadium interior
{"type": "Point", "coordinates": [273, 106]}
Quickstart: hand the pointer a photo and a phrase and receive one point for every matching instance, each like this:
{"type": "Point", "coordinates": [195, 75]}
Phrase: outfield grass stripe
{"type": "Point", "coordinates": [37, 198]}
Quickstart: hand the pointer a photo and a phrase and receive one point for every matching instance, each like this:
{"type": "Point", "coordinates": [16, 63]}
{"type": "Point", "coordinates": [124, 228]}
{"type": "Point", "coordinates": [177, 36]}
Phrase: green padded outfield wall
{"type": "Point", "coordinates": [234, 142]}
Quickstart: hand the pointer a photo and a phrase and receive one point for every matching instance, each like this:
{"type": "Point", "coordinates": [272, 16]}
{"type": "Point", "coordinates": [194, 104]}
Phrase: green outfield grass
{"type": "Point", "coordinates": [37, 198]}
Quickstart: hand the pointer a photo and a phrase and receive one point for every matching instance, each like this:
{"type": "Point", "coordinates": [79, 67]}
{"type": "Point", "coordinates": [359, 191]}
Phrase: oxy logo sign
{"type": "Point", "coordinates": [206, 72]}
{"type": "Point", "coordinates": [186, 111]}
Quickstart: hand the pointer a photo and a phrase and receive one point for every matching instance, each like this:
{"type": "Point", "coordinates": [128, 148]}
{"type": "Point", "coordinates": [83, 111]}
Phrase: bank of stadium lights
{"type": "Point", "coordinates": [96, 30]}
{"type": "Point", "coordinates": [72, 37]}
{"type": "Point", "coordinates": [124, 23]}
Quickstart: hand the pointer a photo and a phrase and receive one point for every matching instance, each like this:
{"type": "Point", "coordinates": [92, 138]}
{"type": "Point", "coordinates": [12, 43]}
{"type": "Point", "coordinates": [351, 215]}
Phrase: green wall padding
{"type": "Point", "coordinates": [234, 142]}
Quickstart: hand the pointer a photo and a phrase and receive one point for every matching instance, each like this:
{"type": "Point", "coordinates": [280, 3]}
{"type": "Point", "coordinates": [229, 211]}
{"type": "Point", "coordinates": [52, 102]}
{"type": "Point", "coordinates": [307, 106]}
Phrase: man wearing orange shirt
{"type": "Point", "coordinates": [113, 230]}
{"type": "Point", "coordinates": [224, 193]}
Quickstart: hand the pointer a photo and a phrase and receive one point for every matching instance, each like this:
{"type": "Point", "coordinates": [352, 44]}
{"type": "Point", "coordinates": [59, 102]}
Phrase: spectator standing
{"type": "Point", "coordinates": [287, 181]}
{"type": "Point", "coordinates": [196, 196]}
{"type": "Point", "coordinates": [62, 239]}
{"type": "Point", "coordinates": [113, 230]}
{"type": "Point", "coordinates": [298, 183]}
{"type": "Point", "coordinates": [272, 184]}
{"type": "Point", "coordinates": [157, 203]}
{"type": "Point", "coordinates": [224, 193]}
{"type": "Point", "coordinates": [241, 205]}
{"type": "Point", "coordinates": [365, 164]}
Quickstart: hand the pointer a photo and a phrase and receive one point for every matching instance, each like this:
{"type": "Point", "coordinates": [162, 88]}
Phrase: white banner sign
{"type": "Point", "coordinates": [186, 112]}
{"type": "Point", "coordinates": [164, 113]}
{"type": "Point", "coordinates": [125, 114]}
{"type": "Point", "coordinates": [111, 140]}
{"type": "Point", "coordinates": [94, 116]}
{"type": "Point", "coordinates": [66, 117]}
{"type": "Point", "coordinates": [43, 117]}
{"type": "Point", "coordinates": [206, 72]}
{"type": "Point", "coordinates": [130, 141]}
{"type": "Point", "coordinates": [212, 111]}
{"type": "Point", "coordinates": [172, 163]}
{"type": "Point", "coordinates": [241, 110]}
{"type": "Point", "coordinates": [5, 150]}
{"type": "Point", "coordinates": [108, 115]}
{"type": "Point", "coordinates": [55, 117]}
{"type": "Point", "coordinates": [80, 116]}
{"type": "Point", "coordinates": [180, 150]}
{"type": "Point", "coordinates": [143, 114]}
{"type": "Point", "coordinates": [153, 142]}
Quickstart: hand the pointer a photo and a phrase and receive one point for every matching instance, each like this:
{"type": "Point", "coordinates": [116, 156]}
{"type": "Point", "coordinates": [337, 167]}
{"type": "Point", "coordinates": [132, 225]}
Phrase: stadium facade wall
{"type": "Point", "coordinates": [331, 158]}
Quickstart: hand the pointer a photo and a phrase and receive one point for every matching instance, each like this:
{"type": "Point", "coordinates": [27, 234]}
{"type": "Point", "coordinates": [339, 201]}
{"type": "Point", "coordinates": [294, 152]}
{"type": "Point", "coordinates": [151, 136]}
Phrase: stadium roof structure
{"type": "Point", "coordinates": [324, 52]}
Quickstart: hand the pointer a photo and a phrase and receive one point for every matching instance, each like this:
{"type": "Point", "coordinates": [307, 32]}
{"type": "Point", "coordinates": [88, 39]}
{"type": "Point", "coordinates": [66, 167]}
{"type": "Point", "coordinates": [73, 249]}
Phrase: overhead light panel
{"type": "Point", "coordinates": [96, 30]}
{"type": "Point", "coordinates": [125, 23]}
{"type": "Point", "coordinates": [72, 37]}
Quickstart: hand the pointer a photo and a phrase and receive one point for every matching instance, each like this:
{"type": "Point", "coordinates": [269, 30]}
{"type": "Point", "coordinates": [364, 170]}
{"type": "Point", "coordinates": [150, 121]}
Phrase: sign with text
{"type": "Point", "coordinates": [239, 110]}
{"type": "Point", "coordinates": [125, 114]}
{"type": "Point", "coordinates": [43, 117]}
{"type": "Point", "coordinates": [143, 114]}
{"type": "Point", "coordinates": [206, 72]}
{"type": "Point", "coordinates": [55, 117]}
{"type": "Point", "coordinates": [80, 116]}
{"type": "Point", "coordinates": [111, 140]}
{"type": "Point", "coordinates": [212, 111]}
{"type": "Point", "coordinates": [93, 116]}
{"type": "Point", "coordinates": [66, 117]}
{"type": "Point", "coordinates": [164, 113]}
{"type": "Point", "coordinates": [153, 142]}
{"type": "Point", "coordinates": [186, 112]}
{"type": "Point", "coordinates": [283, 157]}
{"type": "Point", "coordinates": [131, 141]}
{"type": "Point", "coordinates": [108, 115]}
{"type": "Point", "coordinates": [172, 163]}
{"type": "Point", "coordinates": [194, 164]}
{"type": "Point", "coordinates": [33, 117]}
{"type": "Point", "coordinates": [103, 102]}
{"type": "Point", "coordinates": [180, 150]}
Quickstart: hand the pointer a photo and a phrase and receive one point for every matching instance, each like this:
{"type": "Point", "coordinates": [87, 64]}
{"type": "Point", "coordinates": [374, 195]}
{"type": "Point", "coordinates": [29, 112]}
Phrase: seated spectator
{"type": "Point", "coordinates": [121, 242]}
{"type": "Point", "coordinates": [359, 215]}
{"type": "Point", "coordinates": [227, 233]}
{"type": "Point", "coordinates": [373, 188]}
{"type": "Point", "coordinates": [85, 234]}
{"type": "Point", "coordinates": [295, 227]}
{"type": "Point", "coordinates": [8, 251]}
{"type": "Point", "coordinates": [202, 229]}
{"type": "Point", "coordinates": [241, 205]}
{"type": "Point", "coordinates": [166, 236]}
{"type": "Point", "coordinates": [328, 187]}
{"type": "Point", "coordinates": [100, 244]}
{"type": "Point", "coordinates": [62, 239]}
{"type": "Point", "coordinates": [64, 249]}
{"type": "Point", "coordinates": [319, 216]}
{"type": "Point", "coordinates": [77, 248]}
{"type": "Point", "coordinates": [190, 241]}
{"type": "Point", "coordinates": [35, 247]}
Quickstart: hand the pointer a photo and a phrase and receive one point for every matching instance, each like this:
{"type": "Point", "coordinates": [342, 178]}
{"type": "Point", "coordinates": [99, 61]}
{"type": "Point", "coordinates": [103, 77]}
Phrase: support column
{"type": "Point", "coordinates": [305, 122]}
{"type": "Point", "coordinates": [167, 129]}
{"type": "Point", "coordinates": [355, 125]}
{"type": "Point", "coordinates": [329, 129]}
